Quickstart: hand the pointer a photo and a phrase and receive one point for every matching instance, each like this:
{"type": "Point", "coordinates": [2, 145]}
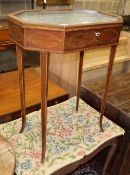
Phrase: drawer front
{"type": "Point", "coordinates": [91, 38]}
{"type": "Point", "coordinates": [106, 36]}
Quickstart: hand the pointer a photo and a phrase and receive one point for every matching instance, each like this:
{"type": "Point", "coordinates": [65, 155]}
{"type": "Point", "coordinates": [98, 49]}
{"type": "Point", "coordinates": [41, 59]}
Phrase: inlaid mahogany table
{"type": "Point", "coordinates": [62, 31]}
{"type": "Point", "coordinates": [7, 157]}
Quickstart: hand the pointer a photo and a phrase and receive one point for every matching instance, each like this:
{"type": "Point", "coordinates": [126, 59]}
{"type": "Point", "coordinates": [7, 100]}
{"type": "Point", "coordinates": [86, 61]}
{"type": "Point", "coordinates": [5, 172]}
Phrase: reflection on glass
{"type": "Point", "coordinates": [65, 17]}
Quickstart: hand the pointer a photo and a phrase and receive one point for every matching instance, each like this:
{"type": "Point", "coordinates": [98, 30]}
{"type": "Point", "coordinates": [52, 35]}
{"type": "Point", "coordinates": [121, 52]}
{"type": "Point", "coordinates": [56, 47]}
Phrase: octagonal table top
{"type": "Point", "coordinates": [63, 17]}
{"type": "Point", "coordinates": [63, 31]}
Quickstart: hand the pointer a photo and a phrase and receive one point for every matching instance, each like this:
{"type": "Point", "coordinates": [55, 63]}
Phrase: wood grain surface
{"type": "Point", "coordinates": [119, 93]}
{"type": "Point", "coordinates": [7, 157]}
{"type": "Point", "coordinates": [5, 42]}
{"type": "Point", "coordinates": [9, 91]}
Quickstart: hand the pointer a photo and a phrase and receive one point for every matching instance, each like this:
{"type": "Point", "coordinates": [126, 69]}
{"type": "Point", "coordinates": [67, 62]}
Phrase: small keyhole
{"type": "Point", "coordinates": [97, 33]}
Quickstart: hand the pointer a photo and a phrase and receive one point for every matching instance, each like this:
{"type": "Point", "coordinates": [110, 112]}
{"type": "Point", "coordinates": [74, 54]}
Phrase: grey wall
{"type": "Point", "coordinates": [110, 6]}
{"type": "Point", "coordinates": [9, 6]}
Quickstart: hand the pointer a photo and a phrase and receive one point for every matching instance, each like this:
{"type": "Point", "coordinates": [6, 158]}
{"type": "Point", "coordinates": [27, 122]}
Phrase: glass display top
{"type": "Point", "coordinates": [65, 18]}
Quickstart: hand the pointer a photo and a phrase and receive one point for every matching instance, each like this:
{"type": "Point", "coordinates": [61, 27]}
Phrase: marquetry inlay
{"type": "Point", "coordinates": [16, 32]}
{"type": "Point", "coordinates": [89, 38]}
{"type": "Point", "coordinates": [47, 40]}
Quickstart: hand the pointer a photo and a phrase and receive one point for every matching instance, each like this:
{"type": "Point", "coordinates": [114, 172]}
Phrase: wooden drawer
{"type": "Point", "coordinates": [106, 36]}
{"type": "Point", "coordinates": [91, 38]}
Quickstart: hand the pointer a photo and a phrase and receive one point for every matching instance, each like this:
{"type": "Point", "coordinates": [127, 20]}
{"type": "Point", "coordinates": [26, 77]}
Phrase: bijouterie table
{"type": "Point", "coordinates": [62, 31]}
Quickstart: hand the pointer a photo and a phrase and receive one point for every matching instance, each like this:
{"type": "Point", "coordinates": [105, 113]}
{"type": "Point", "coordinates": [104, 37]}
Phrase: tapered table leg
{"type": "Point", "coordinates": [21, 84]}
{"type": "Point", "coordinates": [109, 72]}
{"type": "Point", "coordinates": [44, 57]}
{"type": "Point", "coordinates": [79, 78]}
{"type": "Point", "coordinates": [47, 71]}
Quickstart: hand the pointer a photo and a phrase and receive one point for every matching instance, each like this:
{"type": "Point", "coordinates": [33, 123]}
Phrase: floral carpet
{"type": "Point", "coordinates": [70, 137]}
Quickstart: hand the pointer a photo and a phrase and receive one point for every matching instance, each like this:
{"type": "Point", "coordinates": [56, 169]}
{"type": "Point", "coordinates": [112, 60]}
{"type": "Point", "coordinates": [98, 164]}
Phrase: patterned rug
{"type": "Point", "coordinates": [94, 166]}
{"type": "Point", "coordinates": [27, 145]}
{"type": "Point", "coordinates": [90, 168]}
